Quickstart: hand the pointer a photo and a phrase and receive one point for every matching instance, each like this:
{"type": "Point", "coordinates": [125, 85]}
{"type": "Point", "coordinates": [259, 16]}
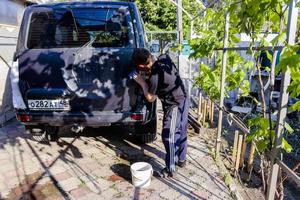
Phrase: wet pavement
{"type": "Point", "coordinates": [96, 165]}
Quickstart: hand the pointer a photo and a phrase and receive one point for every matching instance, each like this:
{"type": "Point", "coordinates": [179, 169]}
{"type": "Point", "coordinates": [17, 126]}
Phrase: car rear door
{"type": "Point", "coordinates": [82, 55]}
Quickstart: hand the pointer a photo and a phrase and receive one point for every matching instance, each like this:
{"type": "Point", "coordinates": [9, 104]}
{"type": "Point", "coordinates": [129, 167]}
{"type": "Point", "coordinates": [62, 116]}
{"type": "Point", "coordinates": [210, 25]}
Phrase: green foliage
{"type": "Point", "coordinates": [286, 146]}
{"type": "Point", "coordinates": [209, 81]}
{"type": "Point", "coordinates": [289, 58]}
{"type": "Point", "coordinates": [234, 79]}
{"type": "Point", "coordinates": [157, 13]}
{"type": "Point", "coordinates": [264, 134]}
{"type": "Point", "coordinates": [288, 128]}
{"type": "Point", "coordinates": [255, 16]}
{"type": "Point", "coordinates": [160, 15]}
{"type": "Point", "coordinates": [260, 132]}
{"type": "Point", "coordinates": [235, 74]}
{"type": "Point", "coordinates": [204, 47]}
{"type": "Point", "coordinates": [295, 107]}
{"type": "Point", "coordinates": [279, 38]}
{"type": "Point", "coordinates": [244, 88]}
{"type": "Point", "coordinates": [251, 17]}
{"type": "Point", "coordinates": [211, 33]}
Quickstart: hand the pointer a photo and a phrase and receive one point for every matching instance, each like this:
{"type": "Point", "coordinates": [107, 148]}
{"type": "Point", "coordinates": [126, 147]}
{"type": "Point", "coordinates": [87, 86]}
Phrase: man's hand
{"type": "Point", "coordinates": [139, 79]}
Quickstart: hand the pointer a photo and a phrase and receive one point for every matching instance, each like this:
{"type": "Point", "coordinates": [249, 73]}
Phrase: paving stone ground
{"type": "Point", "coordinates": [96, 165]}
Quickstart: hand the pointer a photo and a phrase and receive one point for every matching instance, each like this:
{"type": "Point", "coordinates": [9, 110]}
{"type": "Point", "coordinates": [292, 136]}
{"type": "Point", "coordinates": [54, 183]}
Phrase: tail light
{"type": "Point", "coordinates": [23, 117]}
{"type": "Point", "coordinates": [137, 116]}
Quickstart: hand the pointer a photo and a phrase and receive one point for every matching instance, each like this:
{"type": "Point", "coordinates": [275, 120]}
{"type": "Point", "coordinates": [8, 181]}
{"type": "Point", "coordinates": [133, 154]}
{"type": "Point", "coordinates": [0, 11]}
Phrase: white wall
{"type": "Point", "coordinates": [11, 13]}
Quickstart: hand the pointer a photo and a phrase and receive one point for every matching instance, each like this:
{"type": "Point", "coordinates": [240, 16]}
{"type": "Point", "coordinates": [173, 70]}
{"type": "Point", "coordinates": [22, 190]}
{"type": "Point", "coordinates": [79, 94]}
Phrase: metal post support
{"type": "Point", "coordinates": [222, 89]}
{"type": "Point", "coordinates": [179, 21]}
{"type": "Point", "coordinates": [189, 81]}
{"type": "Point", "coordinates": [190, 64]}
{"type": "Point", "coordinates": [179, 28]}
{"type": "Point", "coordinates": [276, 152]}
{"type": "Point", "coordinates": [180, 9]}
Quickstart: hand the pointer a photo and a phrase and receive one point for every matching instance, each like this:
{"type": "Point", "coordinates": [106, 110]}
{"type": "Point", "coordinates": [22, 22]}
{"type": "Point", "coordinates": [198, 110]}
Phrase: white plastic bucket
{"type": "Point", "coordinates": [141, 173]}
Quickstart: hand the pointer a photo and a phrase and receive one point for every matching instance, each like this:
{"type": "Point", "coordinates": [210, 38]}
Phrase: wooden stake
{"type": "Point", "coordinates": [251, 157]}
{"type": "Point", "coordinates": [204, 111]}
{"type": "Point", "coordinates": [235, 143]}
{"type": "Point", "coordinates": [208, 109]}
{"type": "Point", "coordinates": [199, 107]}
{"type": "Point", "coordinates": [243, 151]}
{"type": "Point", "coordinates": [238, 155]}
{"type": "Point", "coordinates": [212, 105]}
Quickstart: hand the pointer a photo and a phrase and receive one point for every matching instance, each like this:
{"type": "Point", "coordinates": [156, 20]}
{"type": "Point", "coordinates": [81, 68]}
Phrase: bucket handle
{"type": "Point", "coordinates": [150, 176]}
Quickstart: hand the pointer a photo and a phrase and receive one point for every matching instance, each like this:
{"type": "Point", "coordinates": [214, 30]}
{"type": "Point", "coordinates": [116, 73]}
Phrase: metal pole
{"type": "Point", "coordinates": [179, 28]}
{"type": "Point", "coordinates": [222, 89]}
{"type": "Point", "coordinates": [190, 64]}
{"type": "Point", "coordinates": [179, 21]}
{"type": "Point", "coordinates": [276, 152]}
{"type": "Point", "coordinates": [180, 9]}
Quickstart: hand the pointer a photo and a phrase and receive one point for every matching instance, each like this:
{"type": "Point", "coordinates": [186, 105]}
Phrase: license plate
{"type": "Point", "coordinates": [47, 104]}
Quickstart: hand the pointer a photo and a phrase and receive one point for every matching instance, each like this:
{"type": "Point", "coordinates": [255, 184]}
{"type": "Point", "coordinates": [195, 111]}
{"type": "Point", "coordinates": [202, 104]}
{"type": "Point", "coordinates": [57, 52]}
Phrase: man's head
{"type": "Point", "coordinates": [143, 59]}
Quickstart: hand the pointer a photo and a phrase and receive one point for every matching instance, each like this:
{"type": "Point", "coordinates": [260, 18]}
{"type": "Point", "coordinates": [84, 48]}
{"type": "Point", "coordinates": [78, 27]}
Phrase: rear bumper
{"type": "Point", "coordinates": [95, 118]}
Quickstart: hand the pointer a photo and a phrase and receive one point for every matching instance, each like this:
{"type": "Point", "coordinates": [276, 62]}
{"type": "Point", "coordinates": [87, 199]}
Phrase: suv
{"type": "Point", "coordinates": [71, 68]}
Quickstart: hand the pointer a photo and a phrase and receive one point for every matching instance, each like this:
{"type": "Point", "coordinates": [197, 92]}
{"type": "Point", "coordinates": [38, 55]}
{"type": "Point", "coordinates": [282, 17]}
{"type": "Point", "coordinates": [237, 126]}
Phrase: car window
{"type": "Point", "coordinates": [61, 28]}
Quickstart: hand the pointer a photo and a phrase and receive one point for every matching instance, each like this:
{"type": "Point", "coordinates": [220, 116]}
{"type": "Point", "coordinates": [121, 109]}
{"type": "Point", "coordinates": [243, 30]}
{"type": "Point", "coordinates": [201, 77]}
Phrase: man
{"type": "Point", "coordinates": [166, 84]}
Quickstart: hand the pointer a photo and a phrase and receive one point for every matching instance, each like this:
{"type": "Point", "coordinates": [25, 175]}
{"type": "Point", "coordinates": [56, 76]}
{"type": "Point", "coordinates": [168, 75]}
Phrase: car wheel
{"type": "Point", "coordinates": [37, 131]}
{"type": "Point", "coordinates": [146, 133]}
{"type": "Point", "coordinates": [52, 133]}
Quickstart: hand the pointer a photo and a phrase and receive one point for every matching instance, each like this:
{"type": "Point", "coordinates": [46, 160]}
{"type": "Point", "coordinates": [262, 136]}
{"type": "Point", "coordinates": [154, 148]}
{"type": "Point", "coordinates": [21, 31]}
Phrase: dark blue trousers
{"type": "Point", "coordinates": [174, 135]}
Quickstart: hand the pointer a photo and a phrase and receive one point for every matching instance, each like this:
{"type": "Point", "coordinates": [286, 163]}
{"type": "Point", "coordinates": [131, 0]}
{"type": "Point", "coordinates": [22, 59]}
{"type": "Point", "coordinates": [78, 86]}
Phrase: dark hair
{"type": "Point", "coordinates": [141, 56]}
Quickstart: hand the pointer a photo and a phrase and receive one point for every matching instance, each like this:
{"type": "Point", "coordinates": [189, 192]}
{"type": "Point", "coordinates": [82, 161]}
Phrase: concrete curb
{"type": "Point", "coordinates": [229, 181]}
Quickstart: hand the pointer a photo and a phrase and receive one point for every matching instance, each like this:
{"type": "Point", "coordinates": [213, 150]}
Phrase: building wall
{"type": "Point", "coordinates": [11, 13]}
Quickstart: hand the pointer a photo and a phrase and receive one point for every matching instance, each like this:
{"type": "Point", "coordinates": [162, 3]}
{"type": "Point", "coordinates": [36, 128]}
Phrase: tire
{"type": "Point", "coordinates": [42, 133]}
{"type": "Point", "coordinates": [52, 133]}
{"type": "Point", "coordinates": [38, 132]}
{"type": "Point", "coordinates": [146, 133]}
{"type": "Point", "coordinates": [35, 130]}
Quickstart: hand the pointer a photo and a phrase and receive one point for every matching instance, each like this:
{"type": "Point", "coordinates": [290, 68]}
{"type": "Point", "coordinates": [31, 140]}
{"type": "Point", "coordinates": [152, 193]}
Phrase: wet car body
{"type": "Point", "coordinates": [72, 64]}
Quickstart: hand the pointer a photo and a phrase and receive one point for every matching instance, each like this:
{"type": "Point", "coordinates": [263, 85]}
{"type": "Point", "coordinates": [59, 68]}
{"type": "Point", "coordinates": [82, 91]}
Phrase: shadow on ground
{"type": "Point", "coordinates": [115, 138]}
{"type": "Point", "coordinates": [72, 149]}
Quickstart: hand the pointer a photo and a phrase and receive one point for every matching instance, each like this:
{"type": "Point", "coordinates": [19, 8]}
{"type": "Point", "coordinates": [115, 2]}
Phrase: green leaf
{"type": "Point", "coordinates": [248, 65]}
{"type": "Point", "coordinates": [286, 146]}
{"type": "Point", "coordinates": [253, 121]}
{"type": "Point", "coordinates": [250, 137]}
{"type": "Point", "coordinates": [288, 128]}
{"type": "Point", "coordinates": [245, 88]}
{"type": "Point", "coordinates": [278, 39]}
{"type": "Point", "coordinates": [288, 59]}
{"type": "Point", "coordinates": [269, 55]}
{"type": "Point", "coordinates": [234, 39]}
{"type": "Point", "coordinates": [262, 145]}
{"type": "Point", "coordinates": [294, 87]}
{"type": "Point", "coordinates": [267, 69]}
{"type": "Point", "coordinates": [295, 107]}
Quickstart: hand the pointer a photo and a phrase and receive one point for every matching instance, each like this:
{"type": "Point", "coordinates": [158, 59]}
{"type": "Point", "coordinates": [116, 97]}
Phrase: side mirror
{"type": "Point", "coordinates": [154, 48]}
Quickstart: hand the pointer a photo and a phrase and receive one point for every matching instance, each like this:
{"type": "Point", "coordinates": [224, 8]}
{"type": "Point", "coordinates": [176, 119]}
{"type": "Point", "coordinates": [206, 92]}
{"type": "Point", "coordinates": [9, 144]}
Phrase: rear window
{"type": "Point", "coordinates": [63, 28]}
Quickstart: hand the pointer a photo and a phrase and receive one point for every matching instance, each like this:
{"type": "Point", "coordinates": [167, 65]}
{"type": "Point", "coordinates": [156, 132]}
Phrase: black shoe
{"type": "Point", "coordinates": [181, 164]}
{"type": "Point", "coordinates": [165, 172]}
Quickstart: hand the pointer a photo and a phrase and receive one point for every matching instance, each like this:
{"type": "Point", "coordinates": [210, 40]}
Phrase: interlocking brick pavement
{"type": "Point", "coordinates": [96, 165]}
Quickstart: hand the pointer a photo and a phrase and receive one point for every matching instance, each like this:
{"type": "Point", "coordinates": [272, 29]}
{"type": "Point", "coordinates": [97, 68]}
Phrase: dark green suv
{"type": "Point", "coordinates": [71, 68]}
